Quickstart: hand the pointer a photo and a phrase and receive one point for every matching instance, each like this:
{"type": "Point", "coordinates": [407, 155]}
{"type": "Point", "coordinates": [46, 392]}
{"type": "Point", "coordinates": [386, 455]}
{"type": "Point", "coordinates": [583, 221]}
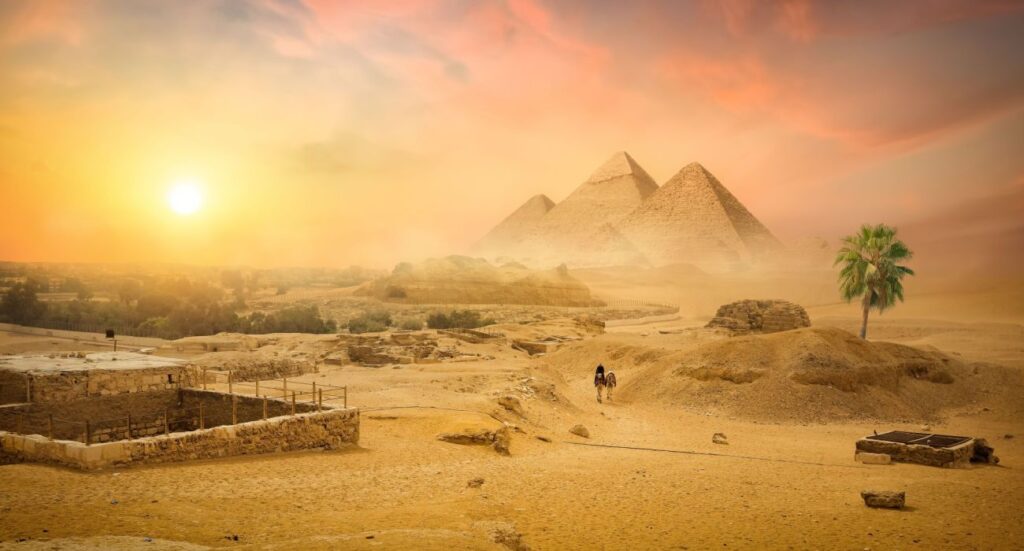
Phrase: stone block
{"type": "Point", "coordinates": [883, 499]}
{"type": "Point", "coordinates": [869, 458]}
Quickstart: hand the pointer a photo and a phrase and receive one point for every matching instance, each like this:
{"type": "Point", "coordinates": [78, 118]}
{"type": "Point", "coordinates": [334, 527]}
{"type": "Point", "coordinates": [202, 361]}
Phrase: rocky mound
{"type": "Point", "coordinates": [806, 375]}
{"type": "Point", "coordinates": [464, 280]}
{"type": "Point", "coordinates": [760, 316]}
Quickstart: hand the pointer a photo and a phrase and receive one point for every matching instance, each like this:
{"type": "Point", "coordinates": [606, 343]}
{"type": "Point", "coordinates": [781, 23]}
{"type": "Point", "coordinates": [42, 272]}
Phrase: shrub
{"type": "Point", "coordinates": [457, 319]}
{"type": "Point", "coordinates": [370, 322]}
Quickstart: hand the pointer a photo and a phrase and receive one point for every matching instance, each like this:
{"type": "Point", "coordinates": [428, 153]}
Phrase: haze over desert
{"type": "Point", "coordinates": [512, 275]}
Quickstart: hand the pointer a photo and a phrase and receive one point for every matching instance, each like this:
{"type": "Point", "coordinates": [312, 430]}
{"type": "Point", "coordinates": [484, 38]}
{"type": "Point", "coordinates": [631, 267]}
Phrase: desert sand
{"type": "Point", "coordinates": [649, 476]}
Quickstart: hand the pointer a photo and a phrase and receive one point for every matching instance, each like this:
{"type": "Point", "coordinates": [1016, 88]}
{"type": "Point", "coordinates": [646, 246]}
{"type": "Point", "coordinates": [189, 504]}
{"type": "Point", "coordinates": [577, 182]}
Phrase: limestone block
{"type": "Point", "coordinates": [869, 458]}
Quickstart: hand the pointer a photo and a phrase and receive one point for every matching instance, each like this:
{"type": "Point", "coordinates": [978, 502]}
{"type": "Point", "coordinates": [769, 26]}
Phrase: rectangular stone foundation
{"type": "Point", "coordinates": [332, 428]}
{"type": "Point", "coordinates": [956, 456]}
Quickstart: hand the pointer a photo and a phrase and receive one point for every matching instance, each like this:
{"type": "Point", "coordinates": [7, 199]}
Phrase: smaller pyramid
{"type": "Point", "coordinates": [508, 235]}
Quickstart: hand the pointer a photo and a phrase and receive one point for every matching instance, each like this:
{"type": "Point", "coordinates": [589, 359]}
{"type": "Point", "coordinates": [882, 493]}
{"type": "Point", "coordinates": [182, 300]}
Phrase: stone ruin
{"type": "Point", "coordinates": [760, 316]}
{"type": "Point", "coordinates": [937, 450]}
{"type": "Point", "coordinates": [374, 350]}
{"type": "Point", "coordinates": [92, 411]}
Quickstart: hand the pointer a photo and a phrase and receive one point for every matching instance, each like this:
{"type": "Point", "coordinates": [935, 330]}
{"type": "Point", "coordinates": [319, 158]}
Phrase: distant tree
{"type": "Point", "coordinates": [75, 285]}
{"type": "Point", "coordinates": [129, 291]}
{"type": "Point", "coordinates": [21, 303]}
{"type": "Point", "coordinates": [870, 269]}
{"type": "Point", "coordinates": [457, 319]}
{"type": "Point", "coordinates": [370, 322]}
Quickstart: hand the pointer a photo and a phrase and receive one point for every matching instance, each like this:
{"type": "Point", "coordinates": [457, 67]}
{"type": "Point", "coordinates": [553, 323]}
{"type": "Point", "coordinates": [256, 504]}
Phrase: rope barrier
{"type": "Point", "coordinates": [714, 454]}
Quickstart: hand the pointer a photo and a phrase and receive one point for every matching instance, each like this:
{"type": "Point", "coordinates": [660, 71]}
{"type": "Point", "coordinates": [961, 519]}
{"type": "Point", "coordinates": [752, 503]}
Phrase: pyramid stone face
{"type": "Point", "coordinates": [693, 218]}
{"type": "Point", "coordinates": [508, 236]}
{"type": "Point", "coordinates": [575, 230]}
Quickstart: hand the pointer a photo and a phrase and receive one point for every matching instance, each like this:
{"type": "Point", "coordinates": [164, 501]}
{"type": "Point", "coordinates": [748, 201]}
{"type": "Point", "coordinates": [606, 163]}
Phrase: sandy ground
{"type": "Point", "coordinates": [774, 486]}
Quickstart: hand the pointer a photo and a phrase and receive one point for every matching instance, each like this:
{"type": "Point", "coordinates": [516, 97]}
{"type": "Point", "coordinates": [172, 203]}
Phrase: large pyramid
{"type": "Point", "coordinates": [620, 216]}
{"type": "Point", "coordinates": [693, 218]}
{"type": "Point", "coordinates": [581, 230]}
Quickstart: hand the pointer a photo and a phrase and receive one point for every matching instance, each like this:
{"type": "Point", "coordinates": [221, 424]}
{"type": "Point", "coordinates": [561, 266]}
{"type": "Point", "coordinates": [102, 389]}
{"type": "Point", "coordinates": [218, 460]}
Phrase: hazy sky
{"type": "Point", "coordinates": [333, 133]}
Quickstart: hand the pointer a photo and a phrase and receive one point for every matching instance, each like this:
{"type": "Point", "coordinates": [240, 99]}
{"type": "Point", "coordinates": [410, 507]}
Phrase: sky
{"type": "Point", "coordinates": [350, 132]}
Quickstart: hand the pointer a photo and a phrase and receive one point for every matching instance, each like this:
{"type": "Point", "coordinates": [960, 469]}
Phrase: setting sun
{"type": "Point", "coordinates": [184, 198]}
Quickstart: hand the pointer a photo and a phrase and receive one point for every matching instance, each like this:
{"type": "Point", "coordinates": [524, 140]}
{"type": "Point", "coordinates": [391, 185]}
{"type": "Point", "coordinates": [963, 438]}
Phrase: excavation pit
{"type": "Point", "coordinates": [938, 450]}
{"type": "Point", "coordinates": [169, 425]}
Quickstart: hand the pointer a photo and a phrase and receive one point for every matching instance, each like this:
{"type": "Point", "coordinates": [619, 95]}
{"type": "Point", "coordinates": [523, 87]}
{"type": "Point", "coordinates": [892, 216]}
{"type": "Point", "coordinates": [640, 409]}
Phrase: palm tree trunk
{"type": "Point", "coordinates": [864, 323]}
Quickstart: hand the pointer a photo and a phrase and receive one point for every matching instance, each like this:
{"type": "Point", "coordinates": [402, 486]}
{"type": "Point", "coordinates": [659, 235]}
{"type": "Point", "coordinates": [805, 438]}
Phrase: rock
{"type": "Point", "coordinates": [983, 453]}
{"type": "Point", "coordinates": [720, 438]}
{"type": "Point", "coordinates": [1007, 436]}
{"type": "Point", "coordinates": [580, 430]}
{"type": "Point", "coordinates": [926, 428]}
{"type": "Point", "coordinates": [543, 438]}
{"type": "Point", "coordinates": [869, 458]}
{"type": "Point", "coordinates": [512, 404]}
{"type": "Point", "coordinates": [501, 441]}
{"type": "Point", "coordinates": [475, 483]}
{"type": "Point", "coordinates": [497, 439]}
{"type": "Point", "coordinates": [883, 499]}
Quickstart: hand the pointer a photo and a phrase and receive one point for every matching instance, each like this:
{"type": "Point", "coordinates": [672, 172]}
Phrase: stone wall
{"type": "Point", "coordinates": [63, 386]}
{"type": "Point", "coordinates": [78, 336]}
{"type": "Point", "coordinates": [329, 429]}
{"type": "Point", "coordinates": [13, 387]}
{"type": "Point", "coordinates": [760, 316]}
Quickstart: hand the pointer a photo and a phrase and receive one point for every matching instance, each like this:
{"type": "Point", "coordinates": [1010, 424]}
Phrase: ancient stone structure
{"type": "Point", "coordinates": [229, 425]}
{"type": "Point", "coordinates": [72, 375]}
{"type": "Point", "coordinates": [760, 316]}
{"type": "Point", "coordinates": [620, 216]}
{"type": "Point", "coordinates": [937, 450]}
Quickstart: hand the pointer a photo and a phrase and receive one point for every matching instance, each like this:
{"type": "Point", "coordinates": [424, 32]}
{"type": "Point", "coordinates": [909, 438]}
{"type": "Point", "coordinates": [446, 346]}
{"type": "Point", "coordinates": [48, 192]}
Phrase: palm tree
{"type": "Point", "coordinates": [870, 269]}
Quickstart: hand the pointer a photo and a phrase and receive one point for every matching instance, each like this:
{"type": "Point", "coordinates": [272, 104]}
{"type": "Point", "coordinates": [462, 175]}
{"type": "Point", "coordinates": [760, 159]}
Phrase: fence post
{"type": "Point", "coordinates": [88, 433]}
{"type": "Point", "coordinates": [293, 402]}
{"type": "Point", "coordinates": [28, 388]}
{"type": "Point", "coordinates": [167, 428]}
{"type": "Point", "coordinates": [234, 409]}
{"type": "Point", "coordinates": [264, 408]}
{"type": "Point", "coordinates": [345, 403]}
{"type": "Point", "coordinates": [257, 388]}
{"type": "Point", "coordinates": [320, 399]}
{"type": "Point", "coordinates": [284, 381]}
{"type": "Point", "coordinates": [231, 385]}
{"type": "Point", "coordinates": [204, 378]}
{"type": "Point", "coordinates": [21, 422]}
{"type": "Point", "coordinates": [49, 426]}
{"type": "Point", "coordinates": [202, 421]}
{"type": "Point", "coordinates": [312, 397]}
{"type": "Point", "coordinates": [129, 425]}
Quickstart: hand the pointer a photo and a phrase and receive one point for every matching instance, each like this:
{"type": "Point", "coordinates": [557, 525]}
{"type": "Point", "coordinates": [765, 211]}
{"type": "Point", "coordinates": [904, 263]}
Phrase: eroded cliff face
{"type": "Point", "coordinates": [465, 280]}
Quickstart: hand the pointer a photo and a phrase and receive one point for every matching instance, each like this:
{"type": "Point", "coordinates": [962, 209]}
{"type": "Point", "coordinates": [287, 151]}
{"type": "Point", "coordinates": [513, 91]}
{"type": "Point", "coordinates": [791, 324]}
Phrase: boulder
{"type": "Point", "coordinates": [720, 438]}
{"type": "Point", "coordinates": [883, 499]}
{"type": "Point", "coordinates": [511, 403]}
{"type": "Point", "coordinates": [580, 430]}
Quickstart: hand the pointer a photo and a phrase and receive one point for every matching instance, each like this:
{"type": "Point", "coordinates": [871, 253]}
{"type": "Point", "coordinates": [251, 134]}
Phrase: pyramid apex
{"type": "Point", "coordinates": [619, 164]}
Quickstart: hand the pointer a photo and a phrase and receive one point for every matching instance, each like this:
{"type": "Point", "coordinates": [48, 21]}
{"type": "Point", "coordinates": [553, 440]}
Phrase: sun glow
{"type": "Point", "coordinates": [184, 198]}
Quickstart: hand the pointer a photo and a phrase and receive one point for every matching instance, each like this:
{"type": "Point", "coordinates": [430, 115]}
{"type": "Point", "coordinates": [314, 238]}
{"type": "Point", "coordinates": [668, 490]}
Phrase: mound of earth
{"type": "Point", "coordinates": [465, 280]}
{"type": "Point", "coordinates": [760, 316]}
{"type": "Point", "coordinates": [806, 375]}
{"type": "Point", "coordinates": [256, 365]}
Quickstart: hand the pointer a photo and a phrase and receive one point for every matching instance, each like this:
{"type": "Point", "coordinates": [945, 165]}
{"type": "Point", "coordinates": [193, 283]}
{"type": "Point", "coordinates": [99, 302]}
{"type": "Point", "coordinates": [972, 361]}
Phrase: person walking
{"type": "Point", "coordinates": [599, 381]}
{"type": "Point", "coordinates": [610, 382]}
